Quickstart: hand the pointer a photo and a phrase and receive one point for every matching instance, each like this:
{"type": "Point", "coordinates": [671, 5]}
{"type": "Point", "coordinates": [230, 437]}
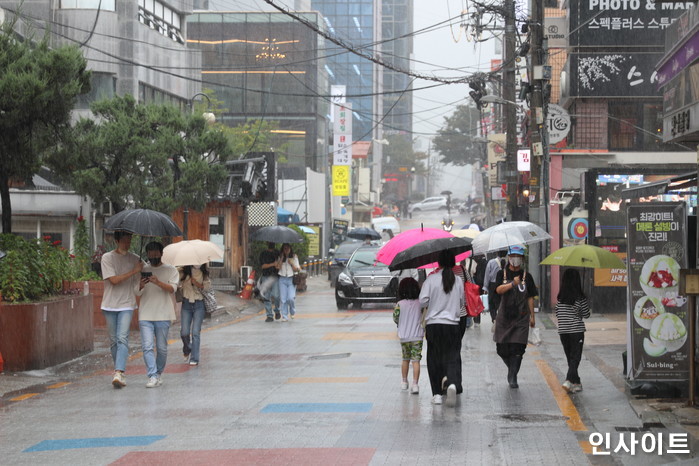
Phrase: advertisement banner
{"type": "Point", "coordinates": [496, 154]}
{"type": "Point", "coordinates": [314, 242]}
{"type": "Point", "coordinates": [341, 180]}
{"type": "Point", "coordinates": [612, 74]}
{"type": "Point", "coordinates": [657, 316]}
{"type": "Point", "coordinates": [342, 149]}
{"type": "Point", "coordinates": [343, 119]}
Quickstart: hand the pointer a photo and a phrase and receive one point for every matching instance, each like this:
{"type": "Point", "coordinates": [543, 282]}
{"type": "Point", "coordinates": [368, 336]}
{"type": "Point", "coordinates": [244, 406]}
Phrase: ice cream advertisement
{"type": "Point", "coordinates": [657, 314]}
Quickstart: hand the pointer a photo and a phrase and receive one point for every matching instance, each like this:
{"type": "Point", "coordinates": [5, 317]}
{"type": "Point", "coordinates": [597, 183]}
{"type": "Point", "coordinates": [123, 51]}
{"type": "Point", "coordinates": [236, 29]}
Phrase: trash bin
{"type": "Point", "coordinates": [301, 281]}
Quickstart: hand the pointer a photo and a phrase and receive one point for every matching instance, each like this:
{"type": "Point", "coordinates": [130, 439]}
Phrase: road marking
{"type": "Point", "coordinates": [23, 397]}
{"type": "Point", "coordinates": [327, 380]}
{"type": "Point", "coordinates": [59, 385]}
{"type": "Point", "coordinates": [565, 404]}
{"type": "Point", "coordinates": [317, 408]}
{"type": "Point", "coordinates": [99, 442]}
{"type": "Point", "coordinates": [361, 336]}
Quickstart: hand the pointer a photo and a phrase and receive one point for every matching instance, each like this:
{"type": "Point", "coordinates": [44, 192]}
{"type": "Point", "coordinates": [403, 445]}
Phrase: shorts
{"type": "Point", "coordinates": [412, 350]}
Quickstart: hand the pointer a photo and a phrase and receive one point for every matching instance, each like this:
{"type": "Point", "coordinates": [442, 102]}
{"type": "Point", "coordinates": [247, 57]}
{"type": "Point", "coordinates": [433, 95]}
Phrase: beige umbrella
{"type": "Point", "coordinates": [192, 252]}
{"type": "Point", "coordinates": [466, 233]}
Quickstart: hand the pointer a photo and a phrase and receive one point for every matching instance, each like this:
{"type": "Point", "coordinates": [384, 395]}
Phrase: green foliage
{"type": "Point", "coordinates": [254, 136]}
{"type": "Point", "coordinates": [152, 155]}
{"type": "Point", "coordinates": [454, 141]}
{"type": "Point", "coordinates": [38, 89]}
{"type": "Point", "coordinates": [33, 268]}
{"type": "Point", "coordinates": [300, 248]}
{"type": "Point", "coordinates": [81, 249]}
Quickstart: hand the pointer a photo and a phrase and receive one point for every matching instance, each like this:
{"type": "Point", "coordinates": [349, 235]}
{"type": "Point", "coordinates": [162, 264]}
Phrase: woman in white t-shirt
{"type": "Point", "coordinates": [287, 289]}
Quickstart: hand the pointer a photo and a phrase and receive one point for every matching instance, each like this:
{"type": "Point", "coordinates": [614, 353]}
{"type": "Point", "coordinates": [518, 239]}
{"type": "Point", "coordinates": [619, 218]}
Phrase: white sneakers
{"type": "Point", "coordinates": [119, 380]}
{"type": "Point", "coordinates": [415, 389]}
{"type": "Point", "coordinates": [404, 385]}
{"type": "Point", "coordinates": [437, 400]}
{"type": "Point", "coordinates": [571, 387]}
{"type": "Point", "coordinates": [451, 395]}
{"type": "Point", "coordinates": [154, 382]}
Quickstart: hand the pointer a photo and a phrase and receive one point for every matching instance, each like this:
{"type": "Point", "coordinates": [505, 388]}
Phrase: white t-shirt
{"type": "Point", "coordinates": [156, 303]}
{"type": "Point", "coordinates": [119, 297]}
{"type": "Point", "coordinates": [287, 269]}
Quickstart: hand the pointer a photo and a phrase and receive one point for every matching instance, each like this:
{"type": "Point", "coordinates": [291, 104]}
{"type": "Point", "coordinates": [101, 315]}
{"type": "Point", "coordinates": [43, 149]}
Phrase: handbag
{"type": "Point", "coordinates": [295, 279]}
{"type": "Point", "coordinates": [179, 297]}
{"type": "Point", "coordinates": [484, 300]}
{"type": "Point", "coordinates": [534, 336]}
{"type": "Point", "coordinates": [209, 301]}
{"type": "Point", "coordinates": [474, 305]}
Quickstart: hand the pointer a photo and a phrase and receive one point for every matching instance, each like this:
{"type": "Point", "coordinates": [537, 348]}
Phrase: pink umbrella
{"type": "Point", "coordinates": [403, 241]}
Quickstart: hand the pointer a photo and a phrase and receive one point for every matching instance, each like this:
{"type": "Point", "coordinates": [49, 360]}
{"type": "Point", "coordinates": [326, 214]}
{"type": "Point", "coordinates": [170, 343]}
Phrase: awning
{"type": "Point", "coordinates": [670, 185]}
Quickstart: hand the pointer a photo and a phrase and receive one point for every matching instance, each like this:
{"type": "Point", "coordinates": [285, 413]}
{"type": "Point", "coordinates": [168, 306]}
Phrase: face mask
{"type": "Point", "coordinates": [515, 261]}
{"type": "Point", "coordinates": [155, 261]}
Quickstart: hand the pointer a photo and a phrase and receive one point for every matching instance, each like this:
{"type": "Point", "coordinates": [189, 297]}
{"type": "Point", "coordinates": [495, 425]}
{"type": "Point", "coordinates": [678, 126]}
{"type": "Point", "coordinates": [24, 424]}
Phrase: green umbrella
{"type": "Point", "coordinates": [584, 255]}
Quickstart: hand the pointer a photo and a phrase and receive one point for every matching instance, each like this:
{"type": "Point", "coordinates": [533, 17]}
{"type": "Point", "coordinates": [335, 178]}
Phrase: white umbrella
{"type": "Point", "coordinates": [192, 252]}
{"type": "Point", "coordinates": [508, 234]}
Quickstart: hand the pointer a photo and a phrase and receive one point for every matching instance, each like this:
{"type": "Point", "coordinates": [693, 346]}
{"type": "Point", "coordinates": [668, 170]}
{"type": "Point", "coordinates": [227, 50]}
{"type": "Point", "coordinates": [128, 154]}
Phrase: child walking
{"type": "Point", "coordinates": [408, 316]}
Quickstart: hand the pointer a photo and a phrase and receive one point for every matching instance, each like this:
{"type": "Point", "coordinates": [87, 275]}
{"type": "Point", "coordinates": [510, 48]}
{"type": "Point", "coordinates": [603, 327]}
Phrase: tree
{"type": "Point", "coordinates": [454, 141]}
{"type": "Point", "coordinates": [38, 90]}
{"type": "Point", "coordinates": [150, 156]}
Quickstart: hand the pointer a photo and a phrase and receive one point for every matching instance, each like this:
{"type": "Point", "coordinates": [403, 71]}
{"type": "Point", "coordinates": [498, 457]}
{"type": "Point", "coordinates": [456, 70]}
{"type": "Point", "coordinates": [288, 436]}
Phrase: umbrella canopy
{"type": "Point", "coordinates": [508, 234]}
{"type": "Point", "coordinates": [286, 216]}
{"type": "Point", "coordinates": [584, 255]}
{"type": "Point", "coordinates": [362, 233]}
{"type": "Point", "coordinates": [427, 252]}
{"type": "Point", "coordinates": [403, 241]}
{"type": "Point", "coordinates": [308, 230]}
{"type": "Point", "coordinates": [277, 234]}
{"type": "Point", "coordinates": [144, 222]}
{"type": "Point", "coordinates": [192, 252]}
{"type": "Point", "coordinates": [466, 233]}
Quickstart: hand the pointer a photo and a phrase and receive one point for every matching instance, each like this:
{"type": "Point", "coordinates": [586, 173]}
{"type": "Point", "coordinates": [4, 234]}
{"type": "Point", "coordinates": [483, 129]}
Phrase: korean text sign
{"type": "Point", "coordinates": [657, 314]}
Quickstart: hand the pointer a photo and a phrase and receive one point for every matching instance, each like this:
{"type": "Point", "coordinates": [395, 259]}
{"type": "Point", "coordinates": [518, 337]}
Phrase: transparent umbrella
{"type": "Point", "coordinates": [506, 234]}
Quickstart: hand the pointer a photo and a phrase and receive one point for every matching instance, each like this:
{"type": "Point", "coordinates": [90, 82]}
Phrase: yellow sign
{"type": "Point", "coordinates": [341, 180]}
{"type": "Point", "coordinates": [314, 243]}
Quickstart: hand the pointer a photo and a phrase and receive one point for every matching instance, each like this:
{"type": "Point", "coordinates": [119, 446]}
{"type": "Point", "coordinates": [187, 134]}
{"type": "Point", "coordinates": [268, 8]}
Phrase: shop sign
{"type": "Point", "coordinates": [681, 123]}
{"type": "Point", "coordinates": [341, 180]}
{"type": "Point", "coordinates": [612, 74]}
{"type": "Point", "coordinates": [656, 314]}
{"type": "Point", "coordinates": [558, 123]}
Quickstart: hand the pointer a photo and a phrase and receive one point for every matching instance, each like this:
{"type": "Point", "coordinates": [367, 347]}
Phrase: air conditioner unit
{"type": "Point", "coordinates": [106, 208]}
{"type": "Point", "coordinates": [245, 272]}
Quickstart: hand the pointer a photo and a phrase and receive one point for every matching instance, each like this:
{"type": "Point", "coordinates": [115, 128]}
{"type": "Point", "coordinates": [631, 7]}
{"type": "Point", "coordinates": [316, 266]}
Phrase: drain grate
{"type": "Point", "coordinates": [331, 356]}
{"type": "Point", "coordinates": [529, 417]}
{"type": "Point", "coordinates": [647, 426]}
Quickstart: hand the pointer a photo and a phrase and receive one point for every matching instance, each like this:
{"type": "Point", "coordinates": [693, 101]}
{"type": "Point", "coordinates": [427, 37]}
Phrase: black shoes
{"type": "Point", "coordinates": [277, 314]}
{"type": "Point", "coordinates": [269, 319]}
{"type": "Point", "coordinates": [513, 369]}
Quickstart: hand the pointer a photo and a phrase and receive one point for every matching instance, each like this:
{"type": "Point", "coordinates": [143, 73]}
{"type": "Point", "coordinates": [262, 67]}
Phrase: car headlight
{"type": "Point", "coordinates": [344, 279]}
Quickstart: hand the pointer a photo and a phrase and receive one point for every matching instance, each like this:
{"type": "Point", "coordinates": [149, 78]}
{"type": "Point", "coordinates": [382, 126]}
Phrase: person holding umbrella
{"type": "Point", "coordinates": [270, 261]}
{"type": "Point", "coordinates": [516, 313]}
{"type": "Point", "coordinates": [443, 294]}
{"type": "Point", "coordinates": [571, 309]}
{"type": "Point", "coordinates": [287, 289]}
{"type": "Point", "coordinates": [193, 280]}
{"type": "Point", "coordinates": [120, 270]}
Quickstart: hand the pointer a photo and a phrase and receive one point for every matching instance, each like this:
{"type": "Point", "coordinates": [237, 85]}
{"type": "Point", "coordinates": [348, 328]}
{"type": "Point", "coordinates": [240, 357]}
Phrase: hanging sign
{"type": "Point", "coordinates": [524, 160]}
{"type": "Point", "coordinates": [341, 180]}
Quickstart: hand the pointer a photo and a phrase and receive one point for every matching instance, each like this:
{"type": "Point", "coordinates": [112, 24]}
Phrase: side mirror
{"type": "Point", "coordinates": [331, 252]}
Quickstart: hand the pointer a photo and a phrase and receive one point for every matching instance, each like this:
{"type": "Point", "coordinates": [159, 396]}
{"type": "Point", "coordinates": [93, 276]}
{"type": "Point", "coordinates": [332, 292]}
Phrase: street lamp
{"type": "Point", "coordinates": [494, 99]}
{"type": "Point", "coordinates": [208, 115]}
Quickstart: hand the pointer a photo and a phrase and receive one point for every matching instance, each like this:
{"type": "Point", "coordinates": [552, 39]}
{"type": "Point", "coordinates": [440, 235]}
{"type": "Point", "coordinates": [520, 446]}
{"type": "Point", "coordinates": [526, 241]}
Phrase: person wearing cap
{"type": "Point", "coordinates": [516, 314]}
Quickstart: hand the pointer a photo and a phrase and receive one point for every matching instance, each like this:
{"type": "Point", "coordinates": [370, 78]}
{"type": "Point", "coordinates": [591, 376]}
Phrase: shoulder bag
{"type": "Point", "coordinates": [209, 301]}
{"type": "Point", "coordinates": [474, 304]}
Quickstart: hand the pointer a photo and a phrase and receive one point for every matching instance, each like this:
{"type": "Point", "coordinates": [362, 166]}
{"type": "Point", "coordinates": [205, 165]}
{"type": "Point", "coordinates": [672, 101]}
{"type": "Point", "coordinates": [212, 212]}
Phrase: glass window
{"type": "Point", "coordinates": [103, 86]}
{"type": "Point", "coordinates": [107, 5]}
{"type": "Point", "coordinates": [217, 233]}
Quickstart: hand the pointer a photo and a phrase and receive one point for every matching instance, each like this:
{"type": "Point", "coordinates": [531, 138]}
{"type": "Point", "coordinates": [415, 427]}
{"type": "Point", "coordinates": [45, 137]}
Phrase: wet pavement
{"type": "Point", "coordinates": [325, 389]}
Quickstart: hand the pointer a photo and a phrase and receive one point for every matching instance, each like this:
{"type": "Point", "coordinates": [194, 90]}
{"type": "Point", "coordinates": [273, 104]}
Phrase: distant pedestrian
{"type": "Point", "coordinates": [408, 316]}
{"type": "Point", "coordinates": [156, 311]}
{"type": "Point", "coordinates": [494, 265]}
{"type": "Point", "coordinates": [120, 270]}
{"type": "Point", "coordinates": [443, 294]}
{"type": "Point", "coordinates": [516, 313]}
{"type": "Point", "coordinates": [571, 309]}
{"type": "Point", "coordinates": [269, 281]}
{"type": "Point", "coordinates": [194, 279]}
{"type": "Point", "coordinates": [287, 289]}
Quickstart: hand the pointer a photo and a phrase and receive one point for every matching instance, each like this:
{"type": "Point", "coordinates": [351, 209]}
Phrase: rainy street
{"type": "Point", "coordinates": [324, 388]}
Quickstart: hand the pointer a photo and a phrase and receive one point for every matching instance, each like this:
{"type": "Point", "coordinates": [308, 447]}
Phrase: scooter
{"type": "Point", "coordinates": [447, 223]}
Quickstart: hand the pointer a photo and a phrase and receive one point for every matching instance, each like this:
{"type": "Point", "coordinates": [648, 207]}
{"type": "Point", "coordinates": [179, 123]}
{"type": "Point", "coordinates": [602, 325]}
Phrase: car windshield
{"type": "Point", "coordinates": [363, 258]}
{"type": "Point", "coordinates": [346, 249]}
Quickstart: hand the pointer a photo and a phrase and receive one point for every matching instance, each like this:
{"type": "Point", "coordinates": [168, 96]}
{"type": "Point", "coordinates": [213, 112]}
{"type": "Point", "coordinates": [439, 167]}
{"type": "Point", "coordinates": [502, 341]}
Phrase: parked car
{"type": "Point", "coordinates": [429, 203]}
{"type": "Point", "coordinates": [339, 257]}
{"type": "Point", "coordinates": [365, 281]}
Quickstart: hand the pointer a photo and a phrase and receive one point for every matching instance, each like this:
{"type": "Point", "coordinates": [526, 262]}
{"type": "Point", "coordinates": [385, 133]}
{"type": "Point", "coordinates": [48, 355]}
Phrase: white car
{"type": "Point", "coordinates": [430, 203]}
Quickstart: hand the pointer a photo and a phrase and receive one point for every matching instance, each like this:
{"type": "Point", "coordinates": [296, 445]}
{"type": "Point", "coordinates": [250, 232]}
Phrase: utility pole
{"type": "Point", "coordinates": [510, 111]}
{"type": "Point", "coordinates": [538, 109]}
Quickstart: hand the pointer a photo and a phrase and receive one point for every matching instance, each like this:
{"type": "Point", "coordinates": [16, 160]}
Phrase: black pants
{"type": "Point", "coordinates": [493, 301]}
{"type": "Point", "coordinates": [443, 356]}
{"type": "Point", "coordinates": [505, 350]}
{"type": "Point", "coordinates": [573, 346]}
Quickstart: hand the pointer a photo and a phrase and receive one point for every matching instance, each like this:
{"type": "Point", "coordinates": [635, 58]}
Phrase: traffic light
{"type": "Point", "coordinates": [477, 93]}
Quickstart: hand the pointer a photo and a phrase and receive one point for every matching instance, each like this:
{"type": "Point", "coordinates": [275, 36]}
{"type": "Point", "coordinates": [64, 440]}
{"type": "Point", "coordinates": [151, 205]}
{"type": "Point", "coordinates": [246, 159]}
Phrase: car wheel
{"type": "Point", "coordinates": [342, 304]}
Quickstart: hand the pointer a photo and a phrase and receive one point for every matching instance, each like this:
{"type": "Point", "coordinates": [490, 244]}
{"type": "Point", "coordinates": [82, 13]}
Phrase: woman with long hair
{"type": "Point", "coordinates": [287, 289]}
{"type": "Point", "coordinates": [443, 294]}
{"type": "Point", "coordinates": [193, 280]}
{"type": "Point", "coordinates": [571, 309]}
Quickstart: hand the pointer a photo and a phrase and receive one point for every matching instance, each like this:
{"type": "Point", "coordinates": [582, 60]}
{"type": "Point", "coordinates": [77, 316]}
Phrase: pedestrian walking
{"type": "Point", "coordinates": [408, 317]}
{"type": "Point", "coordinates": [194, 279]}
{"type": "Point", "coordinates": [287, 289]}
{"type": "Point", "coordinates": [269, 282]}
{"type": "Point", "coordinates": [494, 265]}
{"type": "Point", "coordinates": [120, 271]}
{"type": "Point", "coordinates": [572, 307]}
{"type": "Point", "coordinates": [156, 311]}
{"type": "Point", "coordinates": [516, 313]}
{"type": "Point", "coordinates": [443, 294]}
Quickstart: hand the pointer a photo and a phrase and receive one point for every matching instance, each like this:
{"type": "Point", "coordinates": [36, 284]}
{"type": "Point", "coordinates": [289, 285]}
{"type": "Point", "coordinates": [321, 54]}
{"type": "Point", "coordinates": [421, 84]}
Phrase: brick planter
{"type": "Point", "coordinates": [39, 335]}
{"type": "Point", "coordinates": [97, 291]}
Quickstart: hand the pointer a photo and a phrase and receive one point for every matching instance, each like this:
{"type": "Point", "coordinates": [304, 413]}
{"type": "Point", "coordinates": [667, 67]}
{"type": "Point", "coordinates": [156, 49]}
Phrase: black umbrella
{"type": "Point", "coordinates": [2, 254]}
{"type": "Point", "coordinates": [427, 252]}
{"type": "Point", "coordinates": [446, 193]}
{"type": "Point", "coordinates": [363, 232]}
{"type": "Point", "coordinates": [278, 234]}
{"type": "Point", "coordinates": [144, 222]}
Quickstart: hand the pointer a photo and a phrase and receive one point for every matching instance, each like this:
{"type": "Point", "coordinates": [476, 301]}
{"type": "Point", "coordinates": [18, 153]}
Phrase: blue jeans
{"type": "Point", "coordinates": [269, 290]}
{"type": "Point", "coordinates": [192, 317]}
{"type": "Point", "coordinates": [154, 330]}
{"type": "Point", "coordinates": [287, 296]}
{"type": "Point", "coordinates": [118, 323]}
